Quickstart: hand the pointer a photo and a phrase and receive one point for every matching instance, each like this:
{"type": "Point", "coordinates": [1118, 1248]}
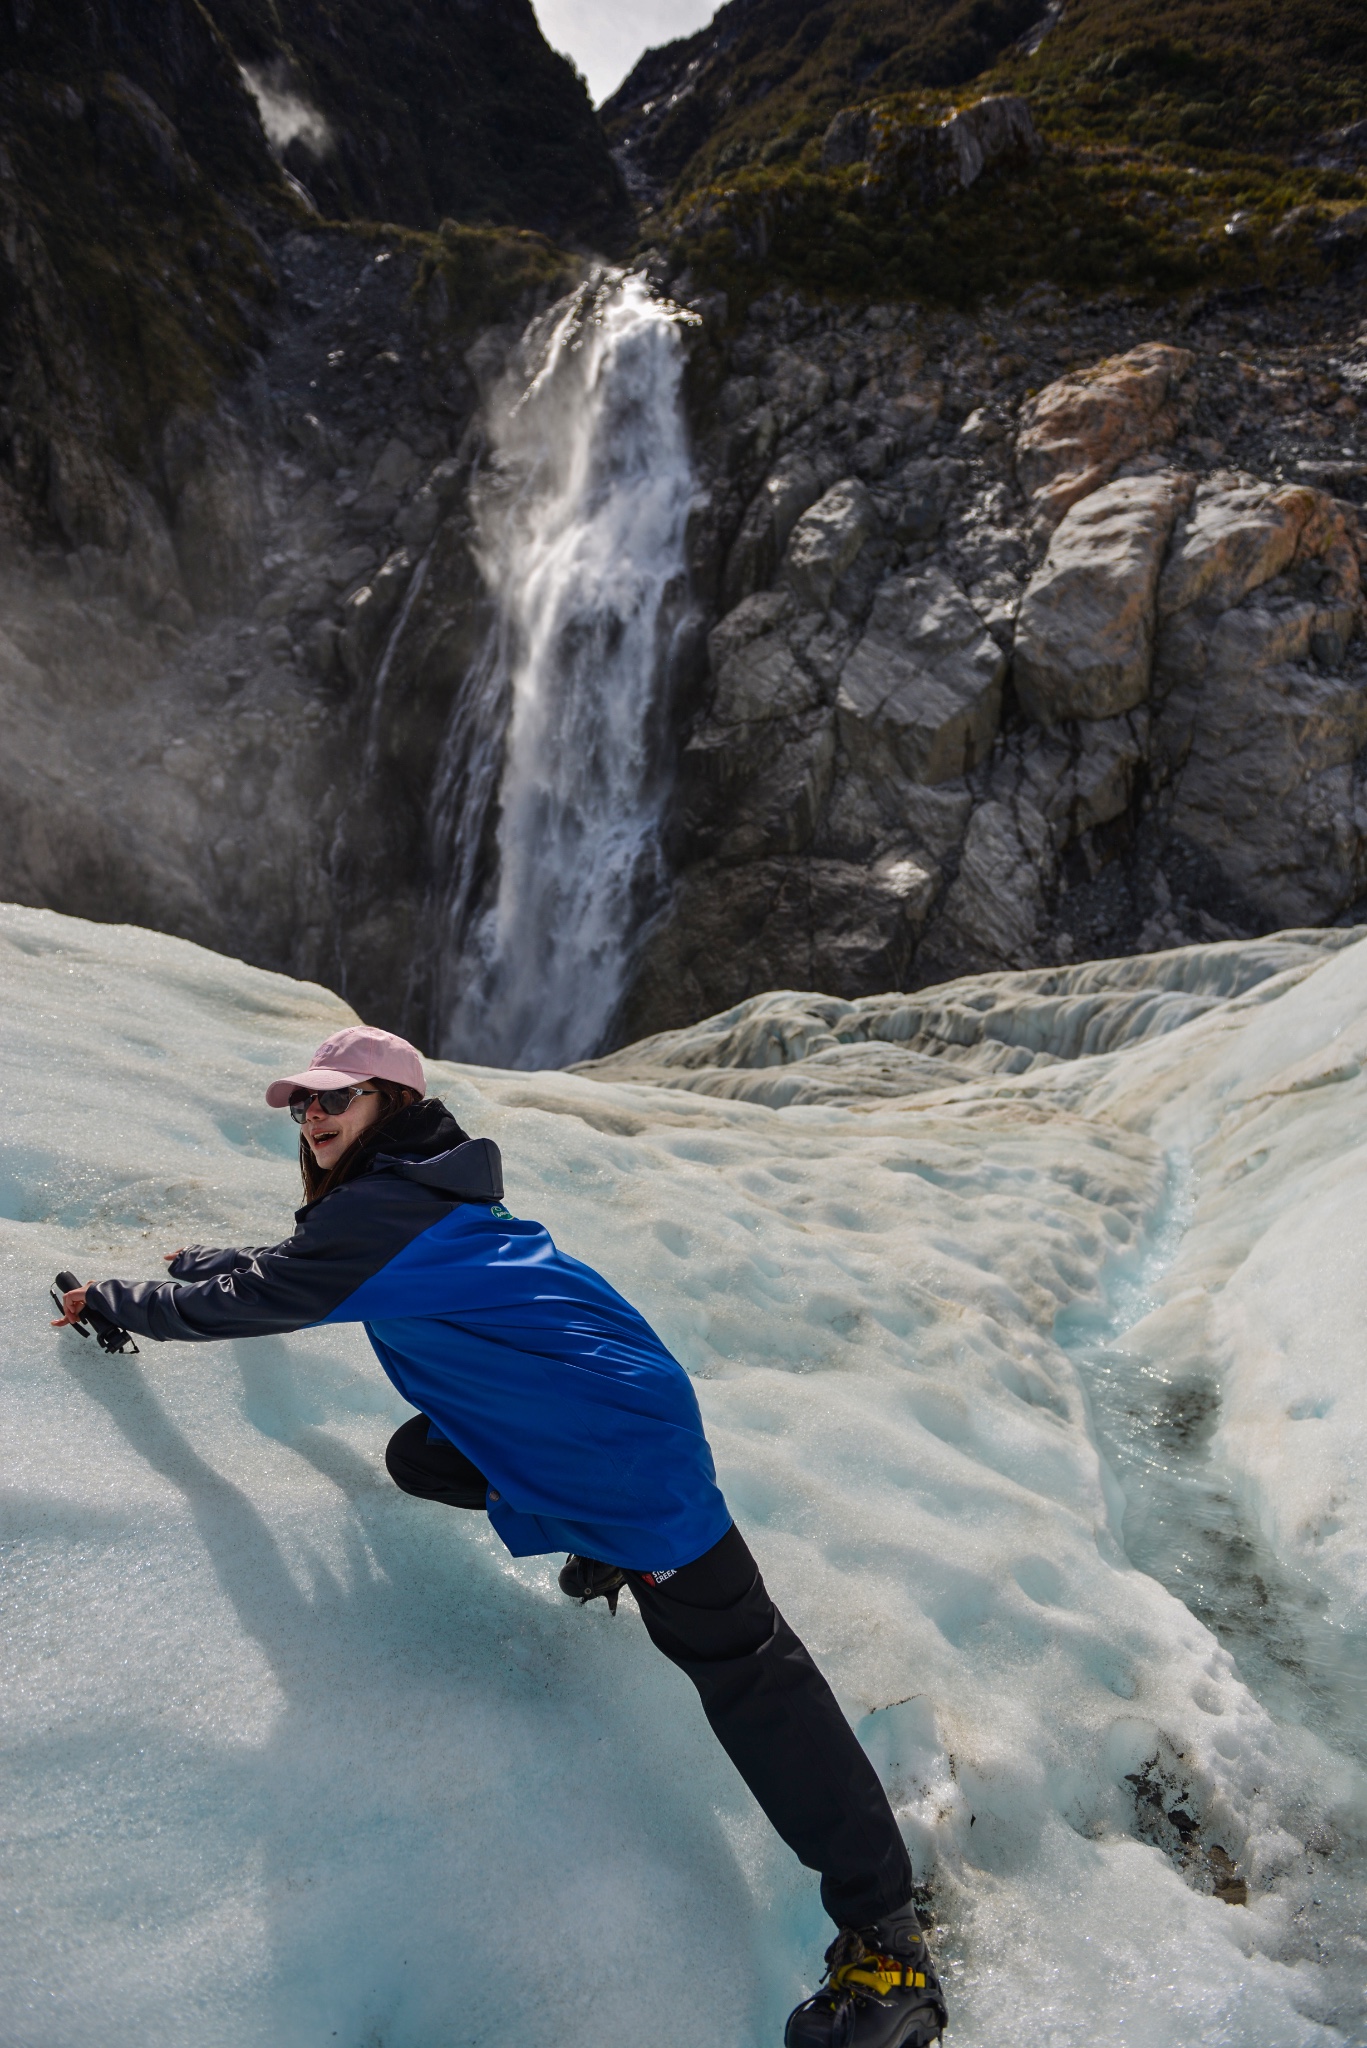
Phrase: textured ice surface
{"type": "Point", "coordinates": [290, 1757]}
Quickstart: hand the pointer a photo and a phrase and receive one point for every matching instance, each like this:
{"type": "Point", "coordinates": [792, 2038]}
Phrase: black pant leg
{"type": "Point", "coordinates": [433, 1471]}
{"type": "Point", "coordinates": [780, 1724]}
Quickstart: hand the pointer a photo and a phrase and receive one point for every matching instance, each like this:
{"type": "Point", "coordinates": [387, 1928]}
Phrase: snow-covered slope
{"type": "Point", "coordinates": [291, 1757]}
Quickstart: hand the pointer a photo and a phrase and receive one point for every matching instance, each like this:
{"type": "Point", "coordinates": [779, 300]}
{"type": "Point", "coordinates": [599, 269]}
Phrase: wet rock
{"type": "Point", "coordinates": [367, 614]}
{"type": "Point", "coordinates": [825, 541]}
{"type": "Point", "coordinates": [1084, 637]}
{"type": "Point", "coordinates": [1079, 430]}
{"type": "Point", "coordinates": [922, 691]}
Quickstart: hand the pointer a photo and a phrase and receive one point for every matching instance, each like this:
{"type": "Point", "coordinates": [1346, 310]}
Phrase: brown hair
{"type": "Point", "coordinates": [320, 1181]}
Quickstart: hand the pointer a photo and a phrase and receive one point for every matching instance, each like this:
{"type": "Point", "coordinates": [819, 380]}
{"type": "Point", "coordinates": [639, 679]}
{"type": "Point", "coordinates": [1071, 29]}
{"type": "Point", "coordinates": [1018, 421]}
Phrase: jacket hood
{"type": "Point", "coordinates": [425, 1143]}
{"type": "Point", "coordinates": [422, 1131]}
{"type": "Point", "coordinates": [472, 1172]}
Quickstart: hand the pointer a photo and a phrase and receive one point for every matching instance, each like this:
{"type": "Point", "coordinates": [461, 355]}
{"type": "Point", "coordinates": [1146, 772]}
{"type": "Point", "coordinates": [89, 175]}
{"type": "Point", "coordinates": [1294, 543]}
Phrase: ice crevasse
{"type": "Point", "coordinates": [291, 1757]}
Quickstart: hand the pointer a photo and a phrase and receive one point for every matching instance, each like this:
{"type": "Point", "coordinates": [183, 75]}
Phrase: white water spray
{"type": "Point", "coordinates": [580, 522]}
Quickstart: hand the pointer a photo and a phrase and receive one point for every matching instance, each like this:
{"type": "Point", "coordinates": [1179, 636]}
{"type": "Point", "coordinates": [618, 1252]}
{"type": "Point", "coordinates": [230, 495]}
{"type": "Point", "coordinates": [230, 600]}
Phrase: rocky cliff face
{"type": "Point", "coordinates": [1014, 638]}
{"type": "Point", "coordinates": [1009, 667]}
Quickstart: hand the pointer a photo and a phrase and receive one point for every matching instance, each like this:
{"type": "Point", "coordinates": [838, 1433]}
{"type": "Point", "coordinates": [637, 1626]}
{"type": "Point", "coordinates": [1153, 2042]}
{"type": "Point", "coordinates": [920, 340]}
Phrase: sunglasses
{"type": "Point", "coordinates": [332, 1101]}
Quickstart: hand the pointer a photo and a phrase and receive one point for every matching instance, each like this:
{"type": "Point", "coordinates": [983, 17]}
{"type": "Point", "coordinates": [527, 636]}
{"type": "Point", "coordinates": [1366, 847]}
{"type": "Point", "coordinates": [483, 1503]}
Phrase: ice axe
{"type": "Point", "coordinates": [108, 1335]}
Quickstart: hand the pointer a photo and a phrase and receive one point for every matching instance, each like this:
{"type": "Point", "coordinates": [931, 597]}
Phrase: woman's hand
{"type": "Point", "coordinates": [73, 1307]}
{"type": "Point", "coordinates": [170, 1257]}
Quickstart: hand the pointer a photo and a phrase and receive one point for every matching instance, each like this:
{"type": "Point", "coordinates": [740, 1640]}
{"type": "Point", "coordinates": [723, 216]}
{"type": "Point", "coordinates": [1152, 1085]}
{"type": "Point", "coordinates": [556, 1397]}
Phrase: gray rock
{"type": "Point", "coordinates": [1080, 429]}
{"type": "Point", "coordinates": [921, 492]}
{"type": "Point", "coordinates": [1084, 636]}
{"type": "Point", "coordinates": [922, 691]}
{"type": "Point", "coordinates": [758, 676]}
{"type": "Point", "coordinates": [367, 613]}
{"type": "Point", "coordinates": [921, 164]}
{"type": "Point", "coordinates": [747, 802]}
{"type": "Point", "coordinates": [1254, 742]}
{"type": "Point", "coordinates": [216, 527]}
{"type": "Point", "coordinates": [794, 387]}
{"type": "Point", "coordinates": [995, 906]}
{"type": "Point", "coordinates": [395, 468]}
{"type": "Point", "coordinates": [825, 541]}
{"type": "Point", "coordinates": [419, 519]}
{"type": "Point", "coordinates": [846, 141]}
{"type": "Point", "coordinates": [1083, 775]}
{"type": "Point", "coordinates": [1238, 534]}
{"type": "Point", "coordinates": [791, 486]}
{"type": "Point", "coordinates": [993, 128]}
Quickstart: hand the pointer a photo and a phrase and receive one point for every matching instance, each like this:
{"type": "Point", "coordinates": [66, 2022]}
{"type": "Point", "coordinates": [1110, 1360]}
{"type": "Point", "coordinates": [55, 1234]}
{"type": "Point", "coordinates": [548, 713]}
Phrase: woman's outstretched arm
{"type": "Point", "coordinates": [338, 1244]}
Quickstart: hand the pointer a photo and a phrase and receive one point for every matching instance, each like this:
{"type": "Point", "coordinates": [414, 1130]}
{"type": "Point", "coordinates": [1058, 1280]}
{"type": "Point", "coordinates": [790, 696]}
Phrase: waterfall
{"type": "Point", "coordinates": [550, 795]}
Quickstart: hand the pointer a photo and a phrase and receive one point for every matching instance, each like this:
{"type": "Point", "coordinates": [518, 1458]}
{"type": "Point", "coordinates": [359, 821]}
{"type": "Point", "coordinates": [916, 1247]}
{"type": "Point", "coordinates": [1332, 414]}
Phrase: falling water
{"type": "Point", "coordinates": [549, 800]}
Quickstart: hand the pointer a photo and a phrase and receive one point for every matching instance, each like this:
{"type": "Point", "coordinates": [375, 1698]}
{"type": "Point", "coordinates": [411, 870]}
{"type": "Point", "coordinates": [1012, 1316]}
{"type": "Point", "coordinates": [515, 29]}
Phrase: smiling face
{"type": "Point", "coordinates": [329, 1137]}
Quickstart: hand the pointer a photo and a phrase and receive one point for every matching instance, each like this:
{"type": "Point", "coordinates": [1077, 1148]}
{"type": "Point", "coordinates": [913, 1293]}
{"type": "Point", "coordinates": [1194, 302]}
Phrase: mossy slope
{"type": "Point", "coordinates": [1179, 136]}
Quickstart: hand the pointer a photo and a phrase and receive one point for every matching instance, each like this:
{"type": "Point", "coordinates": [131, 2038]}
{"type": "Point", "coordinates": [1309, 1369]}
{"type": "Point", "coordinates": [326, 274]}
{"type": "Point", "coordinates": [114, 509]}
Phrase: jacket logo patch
{"type": "Point", "coordinates": [496, 1209]}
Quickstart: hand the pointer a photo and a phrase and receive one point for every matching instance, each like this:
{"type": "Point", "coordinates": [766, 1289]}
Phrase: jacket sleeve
{"type": "Point", "coordinates": [200, 1262]}
{"type": "Point", "coordinates": [339, 1243]}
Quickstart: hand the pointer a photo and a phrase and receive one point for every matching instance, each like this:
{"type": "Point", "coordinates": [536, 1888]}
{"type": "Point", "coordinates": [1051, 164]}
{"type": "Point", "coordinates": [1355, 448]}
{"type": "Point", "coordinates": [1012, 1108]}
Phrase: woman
{"type": "Point", "coordinates": [548, 1403]}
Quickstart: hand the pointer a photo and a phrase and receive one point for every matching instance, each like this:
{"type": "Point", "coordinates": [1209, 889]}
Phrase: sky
{"type": "Point", "coordinates": [605, 37]}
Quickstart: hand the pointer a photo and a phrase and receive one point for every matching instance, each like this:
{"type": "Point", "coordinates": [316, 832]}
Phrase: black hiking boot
{"type": "Point", "coordinates": [584, 1579]}
{"type": "Point", "coordinates": [881, 1991]}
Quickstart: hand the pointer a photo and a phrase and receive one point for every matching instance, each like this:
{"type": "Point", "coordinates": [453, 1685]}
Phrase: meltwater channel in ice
{"type": "Point", "coordinates": [292, 1758]}
{"type": "Point", "coordinates": [559, 737]}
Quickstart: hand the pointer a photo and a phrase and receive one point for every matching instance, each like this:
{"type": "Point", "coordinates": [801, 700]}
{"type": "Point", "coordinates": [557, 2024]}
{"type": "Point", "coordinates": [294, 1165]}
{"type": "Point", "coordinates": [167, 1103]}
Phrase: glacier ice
{"type": "Point", "coordinates": [293, 1758]}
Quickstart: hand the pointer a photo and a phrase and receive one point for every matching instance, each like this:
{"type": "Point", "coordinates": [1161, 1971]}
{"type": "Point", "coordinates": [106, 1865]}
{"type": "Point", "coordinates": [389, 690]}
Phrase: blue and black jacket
{"type": "Point", "coordinates": [529, 1362]}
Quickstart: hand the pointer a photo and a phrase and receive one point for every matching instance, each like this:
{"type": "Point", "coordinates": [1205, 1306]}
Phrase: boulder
{"type": "Point", "coordinates": [1078, 431]}
{"type": "Point", "coordinates": [788, 922]}
{"type": "Point", "coordinates": [994, 909]}
{"type": "Point", "coordinates": [846, 141]}
{"type": "Point", "coordinates": [791, 486]}
{"type": "Point", "coordinates": [825, 541]}
{"type": "Point", "coordinates": [758, 676]}
{"type": "Point", "coordinates": [911, 163]}
{"type": "Point", "coordinates": [1085, 633]}
{"type": "Point", "coordinates": [922, 690]}
{"type": "Point", "coordinates": [1256, 732]}
{"type": "Point", "coordinates": [993, 128]}
{"type": "Point", "coordinates": [1237, 534]}
{"type": "Point", "coordinates": [1083, 775]}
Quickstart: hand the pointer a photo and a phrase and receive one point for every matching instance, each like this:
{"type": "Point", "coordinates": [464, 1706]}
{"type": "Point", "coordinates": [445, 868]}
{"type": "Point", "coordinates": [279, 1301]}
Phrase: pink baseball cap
{"type": "Point", "coordinates": [359, 1053]}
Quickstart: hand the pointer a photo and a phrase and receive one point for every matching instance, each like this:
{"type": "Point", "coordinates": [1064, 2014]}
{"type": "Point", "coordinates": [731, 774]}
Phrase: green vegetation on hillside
{"type": "Point", "coordinates": [1182, 139]}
